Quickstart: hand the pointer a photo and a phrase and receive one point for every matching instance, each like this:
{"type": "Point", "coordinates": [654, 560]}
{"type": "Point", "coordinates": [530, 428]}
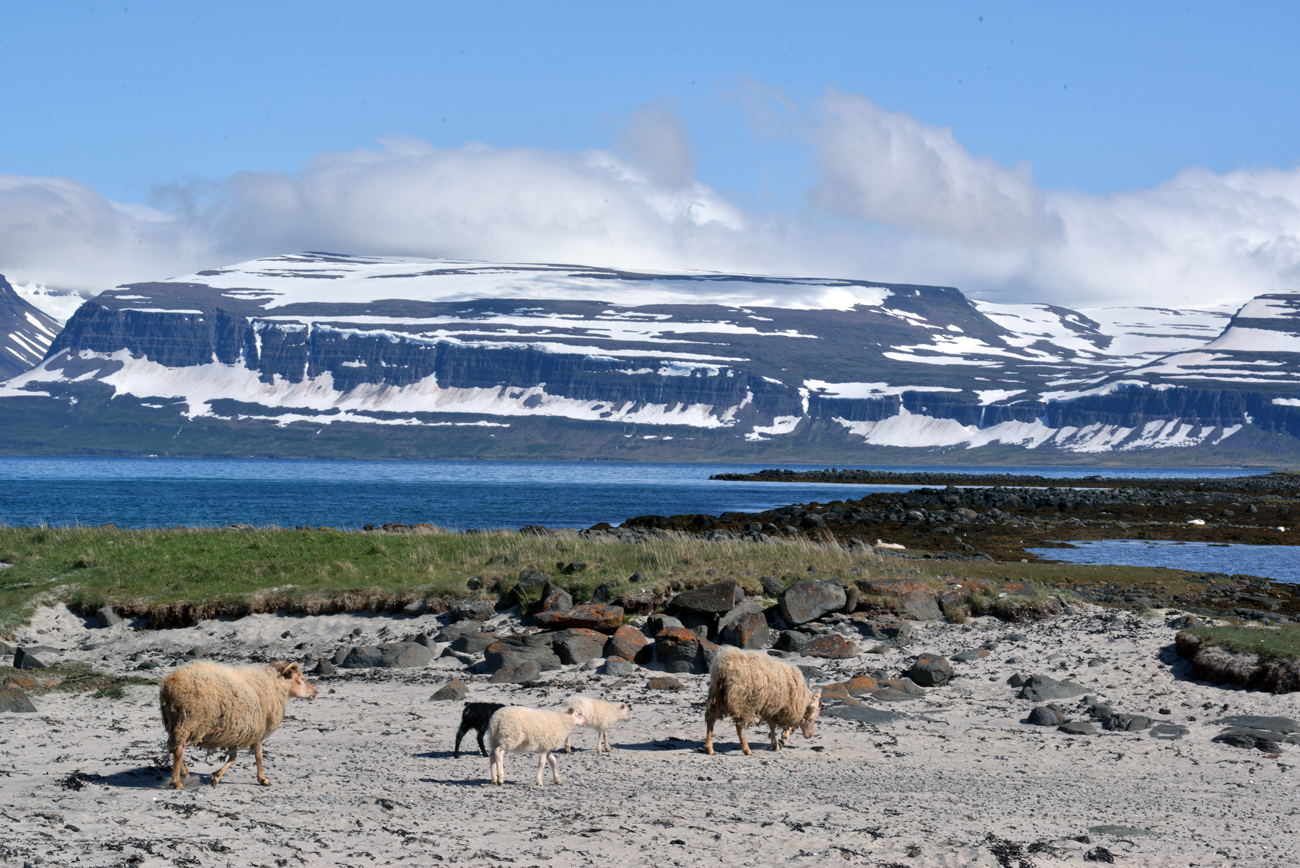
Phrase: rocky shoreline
{"type": "Point", "coordinates": [1078, 735]}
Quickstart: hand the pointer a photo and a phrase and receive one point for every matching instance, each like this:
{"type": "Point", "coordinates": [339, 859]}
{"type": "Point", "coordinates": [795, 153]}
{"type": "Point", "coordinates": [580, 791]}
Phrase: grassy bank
{"type": "Point", "coordinates": [1281, 643]}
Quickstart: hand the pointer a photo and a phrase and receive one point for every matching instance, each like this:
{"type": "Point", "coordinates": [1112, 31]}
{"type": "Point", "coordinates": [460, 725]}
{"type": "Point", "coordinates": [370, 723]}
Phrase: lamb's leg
{"type": "Point", "coordinates": [498, 765]}
{"type": "Point", "coordinates": [710, 717]}
{"type": "Point", "coordinates": [541, 765]}
{"type": "Point", "coordinates": [481, 747]}
{"type": "Point", "coordinates": [178, 766]}
{"type": "Point", "coordinates": [555, 769]}
{"type": "Point", "coordinates": [460, 733]}
{"type": "Point", "coordinates": [740, 733]}
{"type": "Point", "coordinates": [230, 761]}
{"type": "Point", "coordinates": [568, 744]}
{"type": "Point", "coordinates": [603, 739]}
{"type": "Point", "coordinates": [261, 775]}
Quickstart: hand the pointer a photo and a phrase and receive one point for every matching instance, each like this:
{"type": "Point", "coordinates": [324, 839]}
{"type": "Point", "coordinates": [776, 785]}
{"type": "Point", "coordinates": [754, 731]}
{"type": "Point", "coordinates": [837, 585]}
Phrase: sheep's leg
{"type": "Point", "coordinates": [603, 738]}
{"type": "Point", "coordinates": [460, 733]}
{"type": "Point", "coordinates": [541, 765]}
{"type": "Point", "coordinates": [710, 717]}
{"type": "Point", "coordinates": [498, 765]}
{"type": "Point", "coordinates": [481, 747]}
{"type": "Point", "coordinates": [771, 734]}
{"type": "Point", "coordinates": [740, 733]}
{"type": "Point", "coordinates": [230, 761]}
{"type": "Point", "coordinates": [568, 745]}
{"type": "Point", "coordinates": [555, 769]}
{"type": "Point", "coordinates": [261, 775]}
{"type": "Point", "coordinates": [178, 766]}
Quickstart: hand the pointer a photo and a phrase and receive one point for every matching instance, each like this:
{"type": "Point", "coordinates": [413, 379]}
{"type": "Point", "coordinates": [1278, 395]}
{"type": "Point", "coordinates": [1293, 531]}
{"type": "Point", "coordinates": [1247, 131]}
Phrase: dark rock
{"type": "Point", "coordinates": [453, 691]}
{"type": "Point", "coordinates": [701, 625]}
{"type": "Point", "coordinates": [593, 616]}
{"type": "Point", "coordinates": [578, 645]}
{"type": "Point", "coordinates": [810, 599]}
{"type": "Point", "coordinates": [862, 714]}
{"type": "Point", "coordinates": [1040, 688]}
{"type": "Point", "coordinates": [1046, 715]}
{"type": "Point", "coordinates": [663, 682]}
{"type": "Point", "coordinates": [414, 610]}
{"type": "Point", "coordinates": [1266, 740]}
{"type": "Point", "coordinates": [1078, 727]}
{"type": "Point", "coordinates": [710, 599]}
{"type": "Point", "coordinates": [920, 606]}
{"type": "Point", "coordinates": [851, 596]}
{"type": "Point", "coordinates": [575, 567]}
{"type": "Point", "coordinates": [511, 655]}
{"type": "Point", "coordinates": [454, 631]}
{"type": "Point", "coordinates": [107, 617]}
{"type": "Point", "coordinates": [422, 639]}
{"type": "Point", "coordinates": [619, 667]}
{"type": "Point", "coordinates": [473, 643]}
{"type": "Point", "coordinates": [1168, 731]}
{"type": "Point", "coordinates": [792, 640]}
{"type": "Point", "coordinates": [891, 631]}
{"type": "Point", "coordinates": [392, 655]}
{"type": "Point", "coordinates": [325, 667]}
{"type": "Point", "coordinates": [772, 585]}
{"type": "Point", "coordinates": [629, 643]}
{"type": "Point", "coordinates": [640, 602]}
{"type": "Point", "coordinates": [972, 655]}
{"type": "Point", "coordinates": [811, 672]}
{"type": "Point", "coordinates": [1127, 722]}
{"type": "Point", "coordinates": [744, 607]}
{"type": "Point", "coordinates": [15, 699]}
{"type": "Point", "coordinates": [25, 659]}
{"type": "Point", "coordinates": [638, 576]}
{"type": "Point", "coordinates": [148, 664]}
{"type": "Point", "coordinates": [678, 649]}
{"type": "Point", "coordinates": [472, 610]}
{"type": "Point", "coordinates": [709, 654]}
{"type": "Point", "coordinates": [525, 673]}
{"type": "Point", "coordinates": [658, 623]}
{"type": "Point", "coordinates": [830, 646]}
{"type": "Point", "coordinates": [1018, 679]}
{"type": "Point", "coordinates": [530, 579]}
{"type": "Point", "coordinates": [1280, 725]}
{"type": "Point", "coordinates": [603, 593]}
{"type": "Point", "coordinates": [555, 599]}
{"type": "Point", "coordinates": [750, 630]}
{"type": "Point", "coordinates": [930, 670]}
{"type": "Point", "coordinates": [339, 656]}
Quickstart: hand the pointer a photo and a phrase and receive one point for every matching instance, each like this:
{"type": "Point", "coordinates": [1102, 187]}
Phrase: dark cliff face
{"type": "Point", "coordinates": [25, 332]}
{"type": "Point", "coordinates": [907, 356]}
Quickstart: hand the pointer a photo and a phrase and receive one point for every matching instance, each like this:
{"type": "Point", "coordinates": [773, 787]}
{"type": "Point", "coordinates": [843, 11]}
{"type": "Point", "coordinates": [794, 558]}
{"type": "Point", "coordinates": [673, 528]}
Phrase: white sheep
{"type": "Point", "coordinates": [891, 546]}
{"type": "Point", "coordinates": [213, 706]}
{"type": "Point", "coordinates": [601, 716]}
{"type": "Point", "coordinates": [523, 730]}
{"type": "Point", "coordinates": [750, 686]}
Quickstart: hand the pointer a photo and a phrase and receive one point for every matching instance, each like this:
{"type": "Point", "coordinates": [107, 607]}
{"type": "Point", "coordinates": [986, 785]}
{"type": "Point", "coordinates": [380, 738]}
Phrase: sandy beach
{"type": "Point", "coordinates": [364, 775]}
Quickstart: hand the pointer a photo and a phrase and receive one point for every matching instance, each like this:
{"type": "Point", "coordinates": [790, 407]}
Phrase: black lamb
{"type": "Point", "coordinates": [475, 716]}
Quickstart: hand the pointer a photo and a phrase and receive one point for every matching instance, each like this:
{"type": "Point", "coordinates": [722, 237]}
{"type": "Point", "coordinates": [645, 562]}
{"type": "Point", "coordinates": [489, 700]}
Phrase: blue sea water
{"type": "Point", "coordinates": [1280, 563]}
{"type": "Point", "coordinates": [166, 492]}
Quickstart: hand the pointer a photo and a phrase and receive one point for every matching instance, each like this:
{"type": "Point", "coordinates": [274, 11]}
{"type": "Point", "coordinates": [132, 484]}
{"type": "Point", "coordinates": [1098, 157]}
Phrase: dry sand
{"type": "Point", "coordinates": [364, 775]}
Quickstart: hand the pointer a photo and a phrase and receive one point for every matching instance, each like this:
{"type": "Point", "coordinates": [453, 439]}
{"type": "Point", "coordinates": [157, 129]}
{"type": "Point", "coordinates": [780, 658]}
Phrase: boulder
{"type": "Point", "coordinates": [618, 667]}
{"type": "Point", "coordinates": [629, 643]}
{"type": "Point", "coordinates": [575, 567]}
{"type": "Point", "coordinates": [578, 645]}
{"type": "Point", "coordinates": [1046, 715]}
{"type": "Point", "coordinates": [744, 607]}
{"type": "Point", "coordinates": [593, 616]}
{"type": "Point", "coordinates": [710, 599]}
{"type": "Point", "coordinates": [931, 670]}
{"type": "Point", "coordinates": [891, 631]}
{"type": "Point", "coordinates": [555, 599]}
{"type": "Point", "coordinates": [1168, 731]}
{"type": "Point", "coordinates": [638, 576]}
{"type": "Point", "coordinates": [472, 610]}
{"type": "Point", "coordinates": [642, 601]}
{"type": "Point", "coordinates": [453, 691]}
{"type": "Point", "coordinates": [831, 646]}
{"type": "Point", "coordinates": [1078, 727]}
{"type": "Point", "coordinates": [972, 655]}
{"type": "Point", "coordinates": [920, 606]}
{"type": "Point", "coordinates": [851, 596]}
{"type": "Point", "coordinates": [658, 623]}
{"type": "Point", "coordinates": [678, 649]}
{"type": "Point", "coordinates": [862, 714]}
{"type": "Point", "coordinates": [1242, 737]}
{"type": "Point", "coordinates": [773, 586]}
{"type": "Point", "coordinates": [810, 599]}
{"type": "Point", "coordinates": [15, 699]}
{"type": "Point", "coordinates": [393, 655]}
{"type": "Point", "coordinates": [750, 630]}
{"type": "Point", "coordinates": [325, 667]}
{"type": "Point", "coordinates": [454, 631]}
{"type": "Point", "coordinates": [511, 655]}
{"type": "Point", "coordinates": [1127, 722]}
{"type": "Point", "coordinates": [792, 640]}
{"type": "Point", "coordinates": [603, 593]}
{"type": "Point", "coordinates": [663, 682]}
{"type": "Point", "coordinates": [25, 659]}
{"type": "Point", "coordinates": [107, 617]}
{"type": "Point", "coordinates": [473, 643]}
{"type": "Point", "coordinates": [1040, 688]}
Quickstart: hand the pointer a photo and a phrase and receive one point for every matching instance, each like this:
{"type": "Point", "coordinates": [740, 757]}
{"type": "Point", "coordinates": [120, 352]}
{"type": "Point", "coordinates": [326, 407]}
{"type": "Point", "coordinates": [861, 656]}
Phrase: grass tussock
{"type": "Point", "coordinates": [179, 575]}
{"type": "Point", "coordinates": [1269, 643]}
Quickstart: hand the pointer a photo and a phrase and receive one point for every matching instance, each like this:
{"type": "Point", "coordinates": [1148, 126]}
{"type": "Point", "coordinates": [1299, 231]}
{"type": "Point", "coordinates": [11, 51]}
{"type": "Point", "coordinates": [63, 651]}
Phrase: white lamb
{"type": "Point", "coordinates": [601, 716]}
{"type": "Point", "coordinates": [524, 730]}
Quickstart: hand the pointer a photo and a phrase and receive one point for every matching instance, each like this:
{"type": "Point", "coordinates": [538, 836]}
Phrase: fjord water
{"type": "Point", "coordinates": [167, 492]}
{"type": "Point", "coordinates": [1279, 563]}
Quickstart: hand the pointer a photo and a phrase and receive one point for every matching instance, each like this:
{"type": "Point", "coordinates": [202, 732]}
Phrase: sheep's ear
{"type": "Point", "coordinates": [291, 670]}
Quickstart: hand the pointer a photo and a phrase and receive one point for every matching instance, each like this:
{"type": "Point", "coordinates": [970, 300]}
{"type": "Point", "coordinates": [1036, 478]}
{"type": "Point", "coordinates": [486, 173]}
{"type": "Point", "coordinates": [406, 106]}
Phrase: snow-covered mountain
{"type": "Point", "coordinates": [472, 358]}
{"type": "Point", "coordinates": [26, 332]}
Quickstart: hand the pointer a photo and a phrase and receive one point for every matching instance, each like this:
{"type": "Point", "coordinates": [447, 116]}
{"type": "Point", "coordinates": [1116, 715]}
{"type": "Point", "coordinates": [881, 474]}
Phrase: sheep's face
{"type": "Point", "coordinates": [299, 687]}
{"type": "Point", "coordinates": [579, 719]}
{"type": "Point", "coordinates": [810, 715]}
{"type": "Point", "coordinates": [627, 712]}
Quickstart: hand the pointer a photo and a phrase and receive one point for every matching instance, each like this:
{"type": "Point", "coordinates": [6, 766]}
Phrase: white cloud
{"type": "Point", "coordinates": [898, 200]}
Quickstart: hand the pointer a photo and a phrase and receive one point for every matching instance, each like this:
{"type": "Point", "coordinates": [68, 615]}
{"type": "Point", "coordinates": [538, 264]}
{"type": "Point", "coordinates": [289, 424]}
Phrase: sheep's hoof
{"type": "Point", "coordinates": [266, 782]}
{"type": "Point", "coordinates": [177, 785]}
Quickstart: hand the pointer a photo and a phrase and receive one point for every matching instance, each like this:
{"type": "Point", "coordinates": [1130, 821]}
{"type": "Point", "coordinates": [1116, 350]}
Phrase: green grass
{"type": "Point", "coordinates": [74, 677]}
{"type": "Point", "coordinates": [1267, 642]}
{"type": "Point", "coordinates": [146, 571]}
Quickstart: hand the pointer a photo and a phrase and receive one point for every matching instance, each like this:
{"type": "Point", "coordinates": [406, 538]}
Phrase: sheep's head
{"type": "Point", "coordinates": [810, 714]}
{"type": "Point", "coordinates": [627, 712]}
{"type": "Point", "coordinates": [579, 719]}
{"type": "Point", "coordinates": [299, 688]}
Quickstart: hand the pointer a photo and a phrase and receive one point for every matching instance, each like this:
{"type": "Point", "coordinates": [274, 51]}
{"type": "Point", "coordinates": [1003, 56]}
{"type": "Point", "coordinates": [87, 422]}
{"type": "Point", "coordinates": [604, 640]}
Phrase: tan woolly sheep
{"type": "Point", "coordinates": [601, 716]}
{"type": "Point", "coordinates": [749, 686]}
{"type": "Point", "coordinates": [212, 706]}
{"type": "Point", "coordinates": [522, 730]}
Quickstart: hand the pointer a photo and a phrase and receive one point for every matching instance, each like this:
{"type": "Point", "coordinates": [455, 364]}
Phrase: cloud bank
{"type": "Point", "coordinates": [897, 200]}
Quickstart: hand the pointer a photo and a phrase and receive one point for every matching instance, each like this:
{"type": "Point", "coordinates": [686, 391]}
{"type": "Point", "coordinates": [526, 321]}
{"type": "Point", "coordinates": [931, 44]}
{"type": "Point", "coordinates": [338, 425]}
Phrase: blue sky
{"type": "Point", "coordinates": [1101, 153]}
